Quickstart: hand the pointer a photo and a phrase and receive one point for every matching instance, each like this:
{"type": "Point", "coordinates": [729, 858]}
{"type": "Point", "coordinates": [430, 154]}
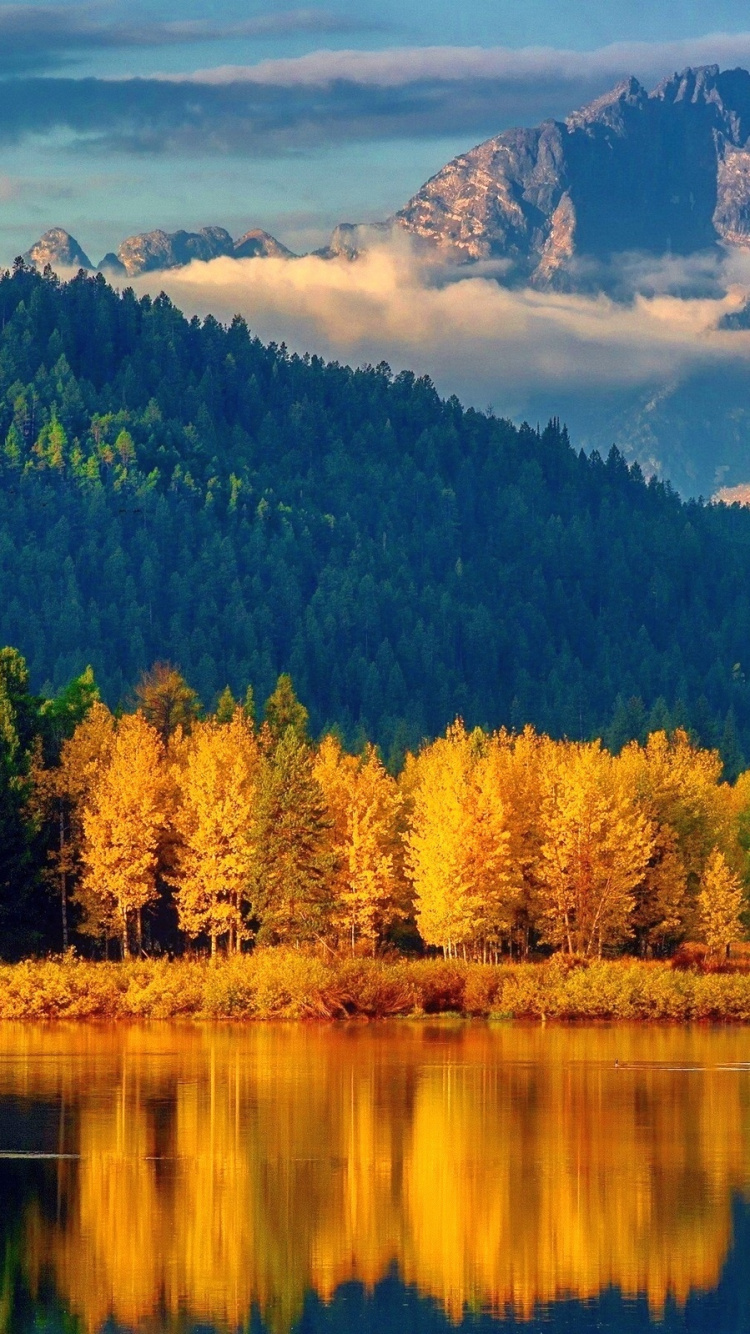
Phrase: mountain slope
{"type": "Point", "coordinates": [176, 489]}
{"type": "Point", "coordinates": [666, 171]}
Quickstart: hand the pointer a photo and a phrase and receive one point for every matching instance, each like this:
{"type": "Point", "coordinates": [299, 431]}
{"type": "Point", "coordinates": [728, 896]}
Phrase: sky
{"type": "Point", "coordinates": [293, 116]}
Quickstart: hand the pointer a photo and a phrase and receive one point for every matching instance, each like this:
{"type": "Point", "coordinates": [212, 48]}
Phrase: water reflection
{"type": "Point", "coordinates": [221, 1172]}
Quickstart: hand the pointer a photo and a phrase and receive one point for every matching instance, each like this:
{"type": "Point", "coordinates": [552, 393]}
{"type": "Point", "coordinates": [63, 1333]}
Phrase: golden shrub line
{"type": "Point", "coordinates": [290, 984]}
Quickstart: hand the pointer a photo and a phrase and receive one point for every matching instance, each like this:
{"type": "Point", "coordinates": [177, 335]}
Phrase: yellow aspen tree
{"type": "Point", "coordinates": [124, 824]}
{"type": "Point", "coordinates": [363, 805]}
{"type": "Point", "coordinates": [215, 853]}
{"type": "Point", "coordinates": [496, 879]}
{"type": "Point", "coordinates": [720, 904]}
{"type": "Point", "coordinates": [518, 764]}
{"type": "Point", "coordinates": [456, 844]}
{"type": "Point", "coordinates": [595, 853]}
{"type": "Point", "coordinates": [678, 788]}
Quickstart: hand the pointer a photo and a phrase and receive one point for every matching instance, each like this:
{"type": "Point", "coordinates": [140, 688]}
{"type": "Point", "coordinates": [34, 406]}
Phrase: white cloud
{"type": "Point", "coordinates": [474, 337]}
{"type": "Point", "coordinates": [396, 66]}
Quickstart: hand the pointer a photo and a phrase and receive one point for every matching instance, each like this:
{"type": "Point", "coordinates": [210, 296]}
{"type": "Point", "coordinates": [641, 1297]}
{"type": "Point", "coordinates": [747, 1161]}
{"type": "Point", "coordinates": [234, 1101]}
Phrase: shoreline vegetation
{"type": "Point", "coordinates": [287, 984]}
{"type": "Point", "coordinates": [168, 833]}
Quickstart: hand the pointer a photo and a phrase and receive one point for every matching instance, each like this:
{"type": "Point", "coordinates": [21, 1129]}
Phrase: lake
{"type": "Point", "coordinates": [398, 1177]}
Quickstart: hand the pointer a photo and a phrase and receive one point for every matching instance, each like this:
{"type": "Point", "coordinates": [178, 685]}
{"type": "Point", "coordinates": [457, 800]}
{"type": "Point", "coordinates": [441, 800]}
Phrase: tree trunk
{"type": "Point", "coordinates": [63, 880]}
{"type": "Point", "coordinates": [213, 947]}
{"type": "Point", "coordinates": [139, 932]}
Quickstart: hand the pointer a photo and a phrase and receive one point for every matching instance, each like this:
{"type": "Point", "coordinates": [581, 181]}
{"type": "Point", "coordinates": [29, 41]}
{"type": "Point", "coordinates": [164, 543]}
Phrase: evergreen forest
{"type": "Point", "coordinates": [174, 489]}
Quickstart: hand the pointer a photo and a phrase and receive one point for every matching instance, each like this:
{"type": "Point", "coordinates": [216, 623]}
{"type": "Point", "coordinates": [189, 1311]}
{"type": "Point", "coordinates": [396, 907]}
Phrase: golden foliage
{"type": "Point", "coordinates": [595, 852]}
{"type": "Point", "coordinates": [457, 845]}
{"type": "Point", "coordinates": [124, 826]}
{"type": "Point", "coordinates": [215, 852]}
{"type": "Point", "coordinates": [363, 805]}
{"type": "Point", "coordinates": [720, 903]}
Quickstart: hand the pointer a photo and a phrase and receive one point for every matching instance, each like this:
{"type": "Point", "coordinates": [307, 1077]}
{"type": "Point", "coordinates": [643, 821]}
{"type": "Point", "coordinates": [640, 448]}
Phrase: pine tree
{"type": "Point", "coordinates": [166, 700]}
{"type": "Point", "coordinates": [124, 826]}
{"type": "Point", "coordinates": [294, 862]}
{"type": "Point", "coordinates": [216, 852]}
{"type": "Point", "coordinates": [720, 904]}
{"type": "Point", "coordinates": [225, 707]}
{"type": "Point", "coordinates": [62, 791]}
{"type": "Point", "coordinates": [283, 710]}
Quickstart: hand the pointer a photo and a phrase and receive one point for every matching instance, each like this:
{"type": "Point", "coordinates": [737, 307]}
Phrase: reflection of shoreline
{"type": "Point", "coordinates": [499, 1169]}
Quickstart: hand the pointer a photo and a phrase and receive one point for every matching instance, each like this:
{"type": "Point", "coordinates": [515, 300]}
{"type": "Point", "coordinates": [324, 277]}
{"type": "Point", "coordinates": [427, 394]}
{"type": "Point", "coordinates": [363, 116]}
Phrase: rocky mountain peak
{"type": "Point", "coordinates": [58, 248]}
{"type": "Point", "coordinates": [660, 172]}
{"type": "Point", "coordinates": [257, 244]}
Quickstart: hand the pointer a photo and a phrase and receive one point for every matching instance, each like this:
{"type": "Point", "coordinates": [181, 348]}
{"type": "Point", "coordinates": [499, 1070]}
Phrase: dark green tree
{"type": "Point", "coordinates": [284, 711]}
{"type": "Point", "coordinates": [292, 895]}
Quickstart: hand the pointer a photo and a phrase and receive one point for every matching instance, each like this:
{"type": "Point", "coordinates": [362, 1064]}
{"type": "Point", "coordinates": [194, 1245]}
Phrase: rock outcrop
{"type": "Point", "coordinates": [59, 249]}
{"type": "Point", "coordinates": [260, 245]}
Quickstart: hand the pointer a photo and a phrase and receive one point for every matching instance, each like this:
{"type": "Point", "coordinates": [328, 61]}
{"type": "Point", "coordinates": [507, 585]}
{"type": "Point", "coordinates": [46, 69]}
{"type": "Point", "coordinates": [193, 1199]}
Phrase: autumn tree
{"type": "Point", "coordinates": [595, 852]}
{"type": "Point", "coordinates": [166, 700]}
{"type": "Point", "coordinates": [124, 823]}
{"type": "Point", "coordinates": [720, 904]}
{"type": "Point", "coordinates": [216, 850]}
{"type": "Point", "coordinates": [517, 764]}
{"type": "Point", "coordinates": [363, 803]}
{"type": "Point", "coordinates": [294, 862]}
{"type": "Point", "coordinates": [457, 846]}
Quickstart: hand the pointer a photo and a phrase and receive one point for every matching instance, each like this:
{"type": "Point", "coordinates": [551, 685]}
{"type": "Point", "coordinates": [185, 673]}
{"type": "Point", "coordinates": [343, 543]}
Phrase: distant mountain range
{"type": "Point", "coordinates": [660, 172]}
{"type": "Point", "coordinates": [656, 174]}
{"type": "Point", "coordinates": [151, 251]}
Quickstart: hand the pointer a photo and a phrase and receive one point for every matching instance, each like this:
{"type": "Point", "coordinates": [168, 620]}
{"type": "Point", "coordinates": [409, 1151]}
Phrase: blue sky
{"type": "Point", "coordinates": [293, 116]}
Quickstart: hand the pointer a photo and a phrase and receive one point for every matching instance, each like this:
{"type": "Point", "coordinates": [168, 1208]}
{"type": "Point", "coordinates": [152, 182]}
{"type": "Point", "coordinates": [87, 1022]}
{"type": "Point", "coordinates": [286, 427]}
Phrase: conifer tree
{"type": "Point", "coordinates": [225, 707]}
{"type": "Point", "coordinates": [216, 852]}
{"type": "Point", "coordinates": [283, 710]}
{"type": "Point", "coordinates": [294, 861]}
{"type": "Point", "coordinates": [124, 826]}
{"type": "Point", "coordinates": [166, 700]}
{"type": "Point", "coordinates": [720, 903]}
{"type": "Point", "coordinates": [62, 791]}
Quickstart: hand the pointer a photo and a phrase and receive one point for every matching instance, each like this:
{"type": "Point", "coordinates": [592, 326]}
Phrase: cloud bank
{"type": "Point", "coordinates": [40, 37]}
{"type": "Point", "coordinates": [486, 343]}
{"type": "Point", "coordinates": [321, 99]}
{"type": "Point", "coordinates": [397, 66]}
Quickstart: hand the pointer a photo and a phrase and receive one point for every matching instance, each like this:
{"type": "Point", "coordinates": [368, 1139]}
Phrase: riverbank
{"type": "Point", "coordinates": [285, 984]}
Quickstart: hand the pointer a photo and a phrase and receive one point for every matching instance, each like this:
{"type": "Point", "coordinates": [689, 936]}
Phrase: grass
{"type": "Point", "coordinates": [287, 984]}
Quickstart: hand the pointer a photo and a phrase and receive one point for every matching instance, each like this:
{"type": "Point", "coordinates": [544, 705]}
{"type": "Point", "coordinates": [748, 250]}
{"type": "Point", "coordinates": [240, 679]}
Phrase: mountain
{"type": "Point", "coordinates": [260, 245]}
{"type": "Point", "coordinates": [148, 252]}
{"type": "Point", "coordinates": [661, 172]}
{"type": "Point", "coordinates": [172, 489]}
{"type": "Point", "coordinates": [59, 249]}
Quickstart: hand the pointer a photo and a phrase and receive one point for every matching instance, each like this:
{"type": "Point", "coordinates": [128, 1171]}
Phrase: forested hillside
{"type": "Point", "coordinates": [174, 489]}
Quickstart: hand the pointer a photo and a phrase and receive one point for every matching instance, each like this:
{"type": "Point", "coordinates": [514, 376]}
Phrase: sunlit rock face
{"type": "Point", "coordinates": [258, 244]}
{"type": "Point", "coordinates": [58, 248]}
{"type": "Point", "coordinates": [661, 172]}
{"type": "Point", "coordinates": [150, 251]}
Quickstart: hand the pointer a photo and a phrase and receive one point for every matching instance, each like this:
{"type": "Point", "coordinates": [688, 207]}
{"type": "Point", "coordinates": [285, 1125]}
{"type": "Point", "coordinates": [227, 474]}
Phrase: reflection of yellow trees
{"type": "Point", "coordinates": [225, 1169]}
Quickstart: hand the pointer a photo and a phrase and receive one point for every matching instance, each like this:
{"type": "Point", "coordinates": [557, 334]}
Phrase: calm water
{"type": "Point", "coordinates": [410, 1177]}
